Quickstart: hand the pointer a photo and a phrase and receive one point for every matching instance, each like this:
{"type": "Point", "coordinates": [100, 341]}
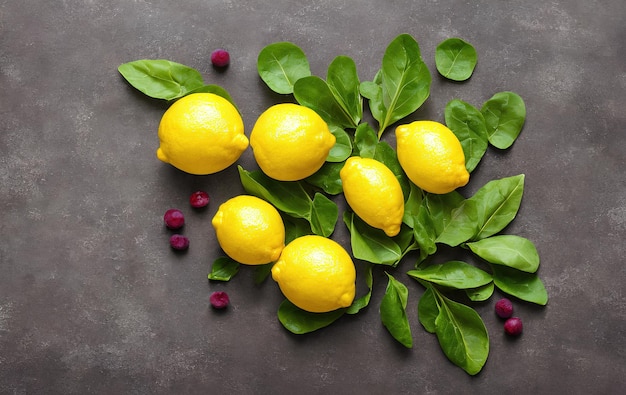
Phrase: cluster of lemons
{"type": "Point", "coordinates": [203, 133]}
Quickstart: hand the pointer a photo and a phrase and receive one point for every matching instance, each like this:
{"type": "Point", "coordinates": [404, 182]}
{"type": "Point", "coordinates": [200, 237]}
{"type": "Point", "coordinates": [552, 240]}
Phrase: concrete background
{"type": "Point", "coordinates": [92, 299]}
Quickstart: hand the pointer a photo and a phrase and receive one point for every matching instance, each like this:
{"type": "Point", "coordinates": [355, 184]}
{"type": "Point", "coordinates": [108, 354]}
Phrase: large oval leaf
{"type": "Point", "coordinates": [343, 81]}
{"type": "Point", "coordinates": [314, 93]}
{"type": "Point", "coordinates": [281, 64]}
{"type": "Point", "coordinates": [160, 78]}
{"type": "Point", "coordinates": [526, 286]}
{"type": "Point", "coordinates": [370, 244]}
{"type": "Point", "coordinates": [508, 250]}
{"type": "Point", "coordinates": [453, 274]}
{"type": "Point", "coordinates": [393, 312]}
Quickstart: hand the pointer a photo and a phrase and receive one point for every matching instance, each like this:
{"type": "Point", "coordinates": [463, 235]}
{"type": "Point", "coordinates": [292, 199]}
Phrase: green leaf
{"type": "Point", "coordinates": [288, 197]}
{"type": "Point", "coordinates": [160, 78]}
{"type": "Point", "coordinates": [343, 145]}
{"type": "Point", "coordinates": [405, 80]}
{"type": "Point", "coordinates": [223, 269]}
{"type": "Point", "coordinates": [327, 178]}
{"type": "Point", "coordinates": [453, 274]}
{"type": "Point", "coordinates": [281, 64]}
{"type": "Point", "coordinates": [343, 81]}
{"type": "Point", "coordinates": [504, 115]}
{"type": "Point", "coordinates": [455, 59]}
{"type": "Point", "coordinates": [299, 321]}
{"type": "Point", "coordinates": [215, 89]}
{"type": "Point", "coordinates": [460, 225]}
{"type": "Point", "coordinates": [497, 203]}
{"type": "Point", "coordinates": [525, 286]}
{"type": "Point", "coordinates": [262, 272]}
{"type": "Point", "coordinates": [314, 93]}
{"type": "Point", "coordinates": [462, 335]}
{"type": "Point", "coordinates": [480, 294]}
{"type": "Point", "coordinates": [412, 204]}
{"type": "Point", "coordinates": [365, 141]}
{"type": "Point", "coordinates": [370, 244]}
{"type": "Point", "coordinates": [373, 91]}
{"type": "Point", "coordinates": [364, 300]}
{"type": "Point", "coordinates": [424, 232]}
{"type": "Point", "coordinates": [508, 250]}
{"type": "Point", "coordinates": [468, 125]}
{"type": "Point", "coordinates": [428, 310]}
{"type": "Point", "coordinates": [387, 155]}
{"type": "Point", "coordinates": [323, 215]}
{"type": "Point", "coordinates": [440, 208]}
{"type": "Point", "coordinates": [295, 227]}
{"type": "Point", "coordinates": [393, 312]}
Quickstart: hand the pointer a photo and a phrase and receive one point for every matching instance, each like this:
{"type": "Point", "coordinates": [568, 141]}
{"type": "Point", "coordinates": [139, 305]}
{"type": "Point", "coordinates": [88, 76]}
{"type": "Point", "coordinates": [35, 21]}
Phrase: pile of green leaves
{"type": "Point", "coordinates": [431, 222]}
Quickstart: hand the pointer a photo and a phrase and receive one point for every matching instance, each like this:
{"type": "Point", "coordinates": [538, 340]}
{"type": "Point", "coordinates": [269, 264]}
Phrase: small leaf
{"type": "Point", "coordinates": [468, 125]}
{"type": "Point", "coordinates": [526, 286]}
{"type": "Point", "coordinates": [343, 145]}
{"type": "Point", "coordinates": [215, 89]}
{"type": "Point", "coordinates": [343, 81]}
{"type": "Point", "coordinates": [364, 300]}
{"type": "Point", "coordinates": [453, 274]}
{"type": "Point", "coordinates": [460, 225]}
{"type": "Point", "coordinates": [480, 294]}
{"type": "Point", "coordinates": [223, 269]}
{"type": "Point", "coordinates": [387, 155]}
{"type": "Point", "coordinates": [508, 250]}
{"type": "Point", "coordinates": [327, 178]}
{"type": "Point", "coordinates": [505, 114]}
{"type": "Point", "coordinates": [393, 312]}
{"type": "Point", "coordinates": [373, 91]}
{"type": "Point", "coordinates": [455, 59]}
{"type": "Point", "coordinates": [281, 64]}
{"type": "Point", "coordinates": [323, 215]}
{"type": "Point", "coordinates": [160, 78]}
{"type": "Point", "coordinates": [365, 141]}
{"type": "Point", "coordinates": [428, 310]}
{"type": "Point", "coordinates": [370, 244]}
{"type": "Point", "coordinates": [299, 321]}
{"type": "Point", "coordinates": [262, 272]}
{"type": "Point", "coordinates": [314, 93]}
{"type": "Point", "coordinates": [412, 204]}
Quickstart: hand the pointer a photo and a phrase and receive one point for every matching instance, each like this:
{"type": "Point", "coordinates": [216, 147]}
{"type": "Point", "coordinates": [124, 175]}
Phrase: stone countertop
{"type": "Point", "coordinates": [93, 300]}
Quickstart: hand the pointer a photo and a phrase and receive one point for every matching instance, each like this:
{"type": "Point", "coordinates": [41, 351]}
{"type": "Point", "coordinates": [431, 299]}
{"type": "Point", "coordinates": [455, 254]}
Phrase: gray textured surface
{"type": "Point", "coordinates": [92, 300]}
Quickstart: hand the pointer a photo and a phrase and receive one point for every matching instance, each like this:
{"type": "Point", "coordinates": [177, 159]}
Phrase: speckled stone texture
{"type": "Point", "coordinates": [94, 301]}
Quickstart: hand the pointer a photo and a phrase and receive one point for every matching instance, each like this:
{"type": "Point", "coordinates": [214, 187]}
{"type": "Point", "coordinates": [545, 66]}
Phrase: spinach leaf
{"type": "Point", "coordinates": [262, 272]}
{"type": "Point", "coordinates": [453, 274]}
{"type": "Point", "coordinates": [343, 145]}
{"type": "Point", "coordinates": [508, 250]}
{"type": "Point", "coordinates": [299, 321]}
{"type": "Point", "coordinates": [468, 125]}
{"type": "Point", "coordinates": [393, 312]}
{"type": "Point", "coordinates": [215, 89]}
{"type": "Point", "coordinates": [223, 269]}
{"type": "Point", "coordinates": [364, 300]}
{"type": "Point", "coordinates": [428, 310]}
{"type": "Point", "coordinates": [504, 114]}
{"type": "Point", "coordinates": [281, 64]}
{"type": "Point", "coordinates": [343, 81]}
{"type": "Point", "coordinates": [365, 141]}
{"type": "Point", "coordinates": [440, 208]}
{"type": "Point", "coordinates": [314, 93]}
{"type": "Point", "coordinates": [497, 203]}
{"type": "Point", "coordinates": [455, 59]}
{"type": "Point", "coordinates": [295, 227]}
{"type": "Point", "coordinates": [370, 244]}
{"type": "Point", "coordinates": [460, 225]}
{"type": "Point", "coordinates": [323, 215]}
{"type": "Point", "coordinates": [462, 334]}
{"type": "Point", "coordinates": [480, 294]}
{"type": "Point", "coordinates": [373, 91]}
{"type": "Point", "coordinates": [160, 78]}
{"type": "Point", "coordinates": [412, 204]}
{"type": "Point", "coordinates": [424, 232]}
{"type": "Point", "coordinates": [526, 286]}
{"type": "Point", "coordinates": [327, 178]}
{"type": "Point", "coordinates": [387, 155]}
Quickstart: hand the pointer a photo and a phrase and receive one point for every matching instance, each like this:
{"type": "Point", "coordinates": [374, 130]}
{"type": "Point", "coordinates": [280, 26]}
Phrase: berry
{"type": "Point", "coordinates": [174, 218]}
{"type": "Point", "coordinates": [219, 299]}
{"type": "Point", "coordinates": [504, 308]}
{"type": "Point", "coordinates": [179, 242]}
{"type": "Point", "coordinates": [220, 58]}
{"type": "Point", "coordinates": [513, 326]}
{"type": "Point", "coordinates": [199, 199]}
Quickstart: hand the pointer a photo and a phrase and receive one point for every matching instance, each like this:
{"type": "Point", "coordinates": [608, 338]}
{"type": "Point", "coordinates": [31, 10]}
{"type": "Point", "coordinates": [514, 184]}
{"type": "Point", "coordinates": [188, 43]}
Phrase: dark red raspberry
{"type": "Point", "coordinates": [174, 218]}
{"type": "Point", "coordinates": [504, 308]}
{"type": "Point", "coordinates": [219, 299]}
{"type": "Point", "coordinates": [179, 242]}
{"type": "Point", "coordinates": [513, 326]}
{"type": "Point", "coordinates": [199, 199]}
{"type": "Point", "coordinates": [220, 58]}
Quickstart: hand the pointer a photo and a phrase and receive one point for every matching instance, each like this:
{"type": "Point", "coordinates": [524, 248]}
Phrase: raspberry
{"type": "Point", "coordinates": [179, 242]}
{"type": "Point", "coordinates": [219, 300]}
{"type": "Point", "coordinates": [513, 326]}
{"type": "Point", "coordinates": [199, 199]}
{"type": "Point", "coordinates": [504, 308]}
{"type": "Point", "coordinates": [220, 58]}
{"type": "Point", "coordinates": [174, 218]}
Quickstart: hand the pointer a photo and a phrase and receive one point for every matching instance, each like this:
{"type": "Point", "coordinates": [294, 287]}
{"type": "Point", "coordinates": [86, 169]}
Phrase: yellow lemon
{"type": "Point", "coordinates": [249, 230]}
{"type": "Point", "coordinates": [316, 274]}
{"type": "Point", "coordinates": [431, 156]}
{"type": "Point", "coordinates": [374, 193]}
{"type": "Point", "coordinates": [201, 133]}
{"type": "Point", "coordinates": [290, 142]}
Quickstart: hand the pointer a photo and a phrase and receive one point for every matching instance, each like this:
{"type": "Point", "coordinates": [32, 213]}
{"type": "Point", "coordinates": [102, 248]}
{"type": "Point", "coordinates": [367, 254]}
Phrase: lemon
{"type": "Point", "coordinates": [249, 230]}
{"type": "Point", "coordinates": [290, 142]}
{"type": "Point", "coordinates": [374, 193]}
{"type": "Point", "coordinates": [431, 156]}
{"type": "Point", "coordinates": [201, 133]}
{"type": "Point", "coordinates": [316, 274]}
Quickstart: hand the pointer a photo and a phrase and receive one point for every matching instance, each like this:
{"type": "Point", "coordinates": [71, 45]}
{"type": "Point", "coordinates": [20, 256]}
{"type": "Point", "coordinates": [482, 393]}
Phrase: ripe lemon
{"type": "Point", "coordinates": [431, 156]}
{"type": "Point", "coordinates": [201, 133]}
{"type": "Point", "coordinates": [290, 142]}
{"type": "Point", "coordinates": [249, 230]}
{"type": "Point", "coordinates": [374, 193]}
{"type": "Point", "coordinates": [316, 274]}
